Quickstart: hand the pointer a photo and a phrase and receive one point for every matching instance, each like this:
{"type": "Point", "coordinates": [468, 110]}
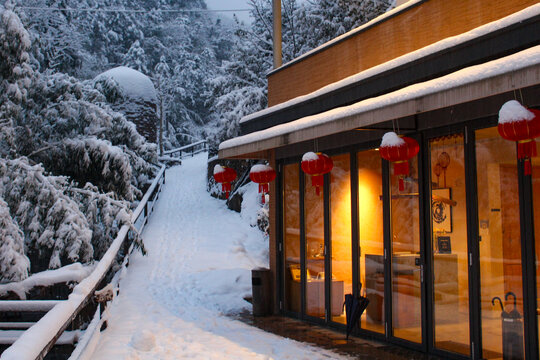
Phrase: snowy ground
{"type": "Point", "coordinates": [173, 302]}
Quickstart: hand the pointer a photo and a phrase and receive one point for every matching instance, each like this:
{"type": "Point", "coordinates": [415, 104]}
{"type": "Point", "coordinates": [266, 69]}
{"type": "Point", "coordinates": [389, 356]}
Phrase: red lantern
{"type": "Point", "coordinates": [399, 149]}
{"type": "Point", "coordinates": [262, 175]}
{"type": "Point", "coordinates": [316, 165]}
{"type": "Point", "coordinates": [224, 175]}
{"type": "Point", "coordinates": [517, 123]}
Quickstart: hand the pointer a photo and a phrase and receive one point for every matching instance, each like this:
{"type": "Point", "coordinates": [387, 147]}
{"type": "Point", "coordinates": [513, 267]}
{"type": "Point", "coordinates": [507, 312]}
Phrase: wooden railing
{"type": "Point", "coordinates": [38, 340]}
{"type": "Point", "coordinates": [190, 149]}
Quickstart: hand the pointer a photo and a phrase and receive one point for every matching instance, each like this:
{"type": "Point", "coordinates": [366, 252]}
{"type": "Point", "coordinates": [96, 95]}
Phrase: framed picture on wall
{"type": "Point", "coordinates": [444, 245]}
{"type": "Point", "coordinates": [441, 210]}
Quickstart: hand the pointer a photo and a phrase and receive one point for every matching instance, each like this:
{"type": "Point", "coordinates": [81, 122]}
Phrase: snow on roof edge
{"type": "Point", "coordinates": [509, 20]}
{"type": "Point", "coordinates": [520, 60]}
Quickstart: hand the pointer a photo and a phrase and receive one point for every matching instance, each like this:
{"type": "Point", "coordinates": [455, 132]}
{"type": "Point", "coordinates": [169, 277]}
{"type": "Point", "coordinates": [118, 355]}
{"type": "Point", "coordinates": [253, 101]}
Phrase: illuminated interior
{"type": "Point", "coordinates": [406, 265]}
{"type": "Point", "coordinates": [291, 236]}
{"type": "Point", "coordinates": [340, 235]}
{"type": "Point", "coordinates": [449, 243]}
{"type": "Point", "coordinates": [370, 213]}
{"type": "Point", "coordinates": [500, 235]}
{"type": "Point", "coordinates": [315, 254]}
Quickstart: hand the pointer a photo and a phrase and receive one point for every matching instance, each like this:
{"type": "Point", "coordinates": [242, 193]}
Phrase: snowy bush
{"type": "Point", "coordinates": [54, 227]}
{"type": "Point", "coordinates": [94, 161]}
{"type": "Point", "coordinates": [14, 265]}
{"type": "Point", "coordinates": [105, 215]}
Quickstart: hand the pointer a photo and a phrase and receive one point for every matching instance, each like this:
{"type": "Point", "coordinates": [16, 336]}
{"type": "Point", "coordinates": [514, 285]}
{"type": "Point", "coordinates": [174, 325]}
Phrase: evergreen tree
{"type": "Point", "coordinates": [14, 265]}
{"type": "Point", "coordinates": [65, 125]}
{"type": "Point", "coordinates": [136, 58]}
{"type": "Point", "coordinates": [327, 19]}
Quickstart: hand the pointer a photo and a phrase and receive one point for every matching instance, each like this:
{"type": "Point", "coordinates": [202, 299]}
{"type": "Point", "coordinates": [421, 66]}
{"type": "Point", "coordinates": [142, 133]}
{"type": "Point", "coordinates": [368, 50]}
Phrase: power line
{"type": "Point", "coordinates": [131, 10]}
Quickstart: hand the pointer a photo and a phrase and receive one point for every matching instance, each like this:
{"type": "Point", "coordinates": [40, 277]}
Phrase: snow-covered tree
{"type": "Point", "coordinates": [16, 74]}
{"type": "Point", "coordinates": [92, 162]}
{"type": "Point", "coordinates": [136, 58]}
{"type": "Point", "coordinates": [327, 19]}
{"type": "Point", "coordinates": [14, 265]}
{"type": "Point", "coordinates": [55, 229]}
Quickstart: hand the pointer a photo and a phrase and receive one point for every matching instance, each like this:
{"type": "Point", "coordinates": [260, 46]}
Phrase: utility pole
{"type": "Point", "coordinates": [160, 116]}
{"type": "Point", "coordinates": [278, 59]}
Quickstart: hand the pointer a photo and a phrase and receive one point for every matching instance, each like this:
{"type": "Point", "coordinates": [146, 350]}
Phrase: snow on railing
{"type": "Point", "coordinates": [36, 342]}
{"type": "Point", "coordinates": [191, 148]}
{"type": "Point", "coordinates": [69, 273]}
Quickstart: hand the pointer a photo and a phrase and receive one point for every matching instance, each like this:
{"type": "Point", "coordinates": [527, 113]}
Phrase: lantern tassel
{"type": "Point", "coordinates": [317, 181]}
{"type": "Point", "coordinates": [527, 167]}
{"type": "Point", "coordinates": [263, 201]}
{"type": "Point", "coordinates": [401, 168]}
{"type": "Point", "coordinates": [401, 184]}
{"type": "Point", "coordinates": [526, 149]}
{"type": "Point", "coordinates": [226, 188]}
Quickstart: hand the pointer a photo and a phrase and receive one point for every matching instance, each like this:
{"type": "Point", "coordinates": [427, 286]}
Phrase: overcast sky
{"type": "Point", "coordinates": [230, 5]}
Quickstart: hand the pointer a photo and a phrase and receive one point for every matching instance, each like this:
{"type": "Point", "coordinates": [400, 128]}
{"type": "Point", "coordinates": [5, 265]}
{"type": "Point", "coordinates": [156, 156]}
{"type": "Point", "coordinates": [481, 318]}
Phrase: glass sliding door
{"type": "Point", "coordinates": [291, 237]}
{"type": "Point", "coordinates": [371, 252]}
{"type": "Point", "coordinates": [449, 258]}
{"type": "Point", "coordinates": [499, 238]}
{"type": "Point", "coordinates": [315, 254]}
{"type": "Point", "coordinates": [340, 236]}
{"type": "Point", "coordinates": [406, 260]}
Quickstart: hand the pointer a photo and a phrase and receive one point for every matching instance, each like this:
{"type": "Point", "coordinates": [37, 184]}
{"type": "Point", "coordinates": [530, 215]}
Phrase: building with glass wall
{"type": "Point", "coordinates": [434, 257]}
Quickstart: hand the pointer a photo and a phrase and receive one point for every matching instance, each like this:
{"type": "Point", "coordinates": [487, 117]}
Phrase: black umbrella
{"type": "Point", "coordinates": [354, 306]}
{"type": "Point", "coordinates": [512, 330]}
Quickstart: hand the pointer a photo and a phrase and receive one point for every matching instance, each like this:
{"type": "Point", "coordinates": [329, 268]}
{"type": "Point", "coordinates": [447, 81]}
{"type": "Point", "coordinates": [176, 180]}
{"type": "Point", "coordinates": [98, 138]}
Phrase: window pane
{"type": "Point", "coordinates": [499, 235]}
{"type": "Point", "coordinates": [406, 266]}
{"type": "Point", "coordinates": [314, 230]}
{"type": "Point", "coordinates": [340, 212]}
{"type": "Point", "coordinates": [291, 236]}
{"type": "Point", "coordinates": [370, 214]}
{"type": "Point", "coordinates": [450, 258]}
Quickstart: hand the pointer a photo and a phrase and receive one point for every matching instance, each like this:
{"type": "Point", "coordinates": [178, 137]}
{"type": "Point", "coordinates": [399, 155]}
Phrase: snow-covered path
{"type": "Point", "coordinates": [172, 302]}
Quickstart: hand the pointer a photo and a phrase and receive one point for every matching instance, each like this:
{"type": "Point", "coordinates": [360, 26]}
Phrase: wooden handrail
{"type": "Point", "coordinates": [37, 341]}
{"type": "Point", "coordinates": [183, 148]}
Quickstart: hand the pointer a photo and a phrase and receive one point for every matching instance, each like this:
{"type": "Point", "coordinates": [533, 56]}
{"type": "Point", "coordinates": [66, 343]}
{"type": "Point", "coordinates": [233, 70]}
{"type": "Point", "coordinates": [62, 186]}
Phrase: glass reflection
{"type": "Point", "coordinates": [500, 238]}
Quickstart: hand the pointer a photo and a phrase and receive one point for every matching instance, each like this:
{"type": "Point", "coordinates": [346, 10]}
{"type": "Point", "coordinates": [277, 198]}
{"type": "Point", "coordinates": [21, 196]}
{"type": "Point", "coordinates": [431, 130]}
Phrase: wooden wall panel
{"type": "Point", "coordinates": [411, 30]}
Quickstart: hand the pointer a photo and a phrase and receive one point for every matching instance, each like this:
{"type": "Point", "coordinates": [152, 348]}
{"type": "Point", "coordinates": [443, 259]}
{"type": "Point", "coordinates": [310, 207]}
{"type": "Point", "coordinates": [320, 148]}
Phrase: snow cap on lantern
{"type": "Point", "coordinates": [517, 123]}
{"type": "Point", "coordinates": [224, 175]}
{"type": "Point", "coordinates": [316, 165]}
{"type": "Point", "coordinates": [398, 149]}
{"type": "Point", "coordinates": [262, 175]}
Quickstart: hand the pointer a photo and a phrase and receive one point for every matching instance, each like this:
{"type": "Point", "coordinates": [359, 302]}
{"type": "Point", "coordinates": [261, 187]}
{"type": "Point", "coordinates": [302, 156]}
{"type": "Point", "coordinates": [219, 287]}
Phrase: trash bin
{"type": "Point", "coordinates": [260, 281]}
